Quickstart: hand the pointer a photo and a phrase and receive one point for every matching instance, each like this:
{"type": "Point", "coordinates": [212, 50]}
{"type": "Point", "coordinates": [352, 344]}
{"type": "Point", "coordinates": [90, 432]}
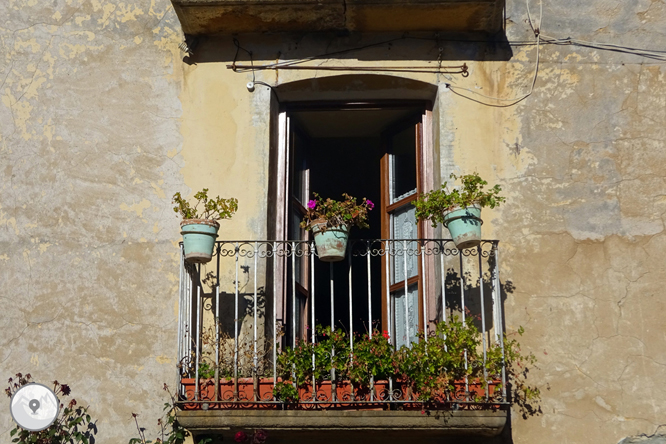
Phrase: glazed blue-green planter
{"type": "Point", "coordinates": [332, 243]}
{"type": "Point", "coordinates": [464, 224]}
{"type": "Point", "coordinates": [199, 237]}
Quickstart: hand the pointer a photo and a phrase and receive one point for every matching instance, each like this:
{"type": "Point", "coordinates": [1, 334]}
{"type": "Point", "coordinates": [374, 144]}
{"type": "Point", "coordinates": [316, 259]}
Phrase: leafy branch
{"type": "Point", "coordinates": [212, 208]}
{"type": "Point", "coordinates": [436, 203]}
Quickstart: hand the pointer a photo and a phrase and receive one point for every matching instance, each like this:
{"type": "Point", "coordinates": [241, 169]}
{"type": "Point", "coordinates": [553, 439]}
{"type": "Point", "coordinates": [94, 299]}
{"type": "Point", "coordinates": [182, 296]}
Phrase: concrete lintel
{"type": "Point", "coordinates": [251, 16]}
{"type": "Point", "coordinates": [476, 422]}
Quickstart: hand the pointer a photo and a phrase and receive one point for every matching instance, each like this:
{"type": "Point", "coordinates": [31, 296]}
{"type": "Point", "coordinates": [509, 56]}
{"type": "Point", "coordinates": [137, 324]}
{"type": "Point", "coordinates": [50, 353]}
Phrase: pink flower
{"type": "Point", "coordinates": [370, 204]}
{"type": "Point", "coordinates": [312, 204]}
{"type": "Point", "coordinates": [240, 437]}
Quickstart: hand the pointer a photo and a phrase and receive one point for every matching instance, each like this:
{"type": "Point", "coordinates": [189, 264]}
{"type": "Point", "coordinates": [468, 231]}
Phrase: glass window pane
{"type": "Point", "coordinates": [405, 254]}
{"type": "Point", "coordinates": [403, 164]}
{"type": "Point", "coordinates": [299, 172]}
{"type": "Point", "coordinates": [297, 233]}
{"type": "Point", "coordinates": [404, 318]}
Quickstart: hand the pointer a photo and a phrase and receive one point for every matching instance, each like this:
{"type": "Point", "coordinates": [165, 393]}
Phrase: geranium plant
{"type": "Point", "coordinates": [211, 208]}
{"type": "Point", "coordinates": [435, 204]}
{"type": "Point", "coordinates": [334, 213]}
{"type": "Point", "coordinates": [199, 226]}
{"type": "Point", "coordinates": [428, 368]}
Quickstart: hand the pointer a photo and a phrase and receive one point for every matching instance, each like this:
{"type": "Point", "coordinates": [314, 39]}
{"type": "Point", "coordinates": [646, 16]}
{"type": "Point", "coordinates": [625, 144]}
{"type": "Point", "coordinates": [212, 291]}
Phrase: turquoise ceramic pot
{"type": "Point", "coordinates": [332, 243]}
{"type": "Point", "coordinates": [199, 237]}
{"type": "Point", "coordinates": [464, 224]}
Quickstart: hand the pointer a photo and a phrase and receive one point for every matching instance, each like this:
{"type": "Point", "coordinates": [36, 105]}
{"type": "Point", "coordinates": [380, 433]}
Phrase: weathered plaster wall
{"type": "Point", "coordinates": [580, 161]}
{"type": "Point", "coordinates": [583, 233]}
{"type": "Point", "coordinates": [101, 122]}
{"type": "Point", "coordinates": [90, 146]}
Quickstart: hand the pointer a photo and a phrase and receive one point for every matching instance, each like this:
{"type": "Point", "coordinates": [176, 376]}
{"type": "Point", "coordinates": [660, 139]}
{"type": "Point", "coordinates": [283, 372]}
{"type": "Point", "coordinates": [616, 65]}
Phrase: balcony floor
{"type": "Point", "coordinates": [340, 426]}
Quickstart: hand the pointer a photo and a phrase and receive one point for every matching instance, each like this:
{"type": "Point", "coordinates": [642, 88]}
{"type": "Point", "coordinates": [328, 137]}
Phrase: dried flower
{"type": "Point", "coordinates": [64, 388]}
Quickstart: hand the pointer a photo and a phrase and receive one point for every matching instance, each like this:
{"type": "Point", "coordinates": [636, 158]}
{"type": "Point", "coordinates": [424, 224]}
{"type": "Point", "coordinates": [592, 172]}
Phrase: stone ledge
{"type": "Point", "coordinates": [253, 16]}
{"type": "Point", "coordinates": [336, 422]}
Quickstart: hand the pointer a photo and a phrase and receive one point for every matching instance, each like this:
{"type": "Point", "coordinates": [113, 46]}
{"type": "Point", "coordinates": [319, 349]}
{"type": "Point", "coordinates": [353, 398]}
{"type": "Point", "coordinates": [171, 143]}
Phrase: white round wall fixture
{"type": "Point", "coordinates": [34, 407]}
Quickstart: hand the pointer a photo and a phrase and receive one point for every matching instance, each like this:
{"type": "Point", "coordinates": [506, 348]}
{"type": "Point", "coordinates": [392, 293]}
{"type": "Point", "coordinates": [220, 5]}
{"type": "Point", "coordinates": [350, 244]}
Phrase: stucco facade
{"type": "Point", "coordinates": [103, 119]}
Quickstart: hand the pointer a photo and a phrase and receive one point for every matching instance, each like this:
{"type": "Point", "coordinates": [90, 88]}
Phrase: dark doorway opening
{"type": "Point", "coordinates": [335, 150]}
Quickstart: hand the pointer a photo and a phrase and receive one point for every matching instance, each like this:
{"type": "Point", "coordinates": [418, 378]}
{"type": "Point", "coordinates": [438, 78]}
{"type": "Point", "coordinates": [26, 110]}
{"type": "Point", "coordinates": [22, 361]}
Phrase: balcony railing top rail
{"type": "Point", "coordinates": [256, 298]}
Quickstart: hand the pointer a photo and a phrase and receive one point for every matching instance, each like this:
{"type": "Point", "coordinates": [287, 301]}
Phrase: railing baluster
{"type": "Point", "coordinates": [351, 314]}
{"type": "Point", "coordinates": [367, 255]}
{"type": "Point", "coordinates": [218, 248]}
{"type": "Point", "coordinates": [408, 341]}
{"type": "Point", "coordinates": [190, 324]}
{"type": "Point", "coordinates": [443, 277]}
{"type": "Point", "coordinates": [196, 364]}
{"type": "Point", "coordinates": [275, 343]}
{"type": "Point", "coordinates": [500, 326]}
{"type": "Point", "coordinates": [217, 340]}
{"type": "Point", "coordinates": [293, 295]}
{"type": "Point", "coordinates": [237, 254]}
{"type": "Point", "coordinates": [462, 304]}
{"type": "Point", "coordinates": [483, 317]}
{"type": "Point", "coordinates": [312, 315]}
{"type": "Point", "coordinates": [423, 291]}
{"type": "Point", "coordinates": [293, 306]}
{"type": "Point", "coordinates": [387, 256]}
{"type": "Point", "coordinates": [254, 325]}
{"type": "Point", "coordinates": [333, 386]}
{"type": "Point", "coordinates": [181, 304]}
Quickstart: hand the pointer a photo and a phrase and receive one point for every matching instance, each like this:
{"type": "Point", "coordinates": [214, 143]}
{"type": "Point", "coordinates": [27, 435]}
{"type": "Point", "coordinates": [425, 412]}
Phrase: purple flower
{"type": "Point", "coordinates": [312, 204]}
{"type": "Point", "coordinates": [370, 204]}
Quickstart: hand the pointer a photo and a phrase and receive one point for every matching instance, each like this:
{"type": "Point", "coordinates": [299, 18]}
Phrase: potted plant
{"type": "Point", "coordinates": [330, 221]}
{"type": "Point", "coordinates": [459, 209]}
{"type": "Point", "coordinates": [199, 227]}
{"type": "Point", "coordinates": [450, 365]}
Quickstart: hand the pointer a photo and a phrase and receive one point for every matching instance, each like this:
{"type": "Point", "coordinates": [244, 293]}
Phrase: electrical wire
{"type": "Point", "coordinates": [648, 53]}
{"type": "Point", "coordinates": [278, 65]}
{"type": "Point", "coordinates": [515, 100]}
{"type": "Point", "coordinates": [540, 39]}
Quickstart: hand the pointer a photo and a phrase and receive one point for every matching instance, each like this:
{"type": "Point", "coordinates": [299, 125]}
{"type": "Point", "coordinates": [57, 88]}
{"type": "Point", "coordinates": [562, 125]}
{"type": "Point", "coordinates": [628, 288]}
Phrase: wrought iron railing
{"type": "Point", "coordinates": [254, 298]}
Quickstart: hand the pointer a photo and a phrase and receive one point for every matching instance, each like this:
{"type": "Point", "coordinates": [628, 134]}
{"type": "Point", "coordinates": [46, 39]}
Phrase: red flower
{"type": "Point", "coordinates": [385, 334]}
{"type": "Point", "coordinates": [240, 436]}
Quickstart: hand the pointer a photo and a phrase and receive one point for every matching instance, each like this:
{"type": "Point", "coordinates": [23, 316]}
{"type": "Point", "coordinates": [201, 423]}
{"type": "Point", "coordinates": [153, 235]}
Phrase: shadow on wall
{"type": "Point", "coordinates": [467, 288]}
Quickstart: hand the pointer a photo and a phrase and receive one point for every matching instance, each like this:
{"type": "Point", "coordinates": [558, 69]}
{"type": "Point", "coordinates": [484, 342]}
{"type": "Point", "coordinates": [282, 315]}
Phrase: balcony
{"type": "Point", "coordinates": [256, 300]}
{"type": "Point", "coordinates": [251, 16]}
